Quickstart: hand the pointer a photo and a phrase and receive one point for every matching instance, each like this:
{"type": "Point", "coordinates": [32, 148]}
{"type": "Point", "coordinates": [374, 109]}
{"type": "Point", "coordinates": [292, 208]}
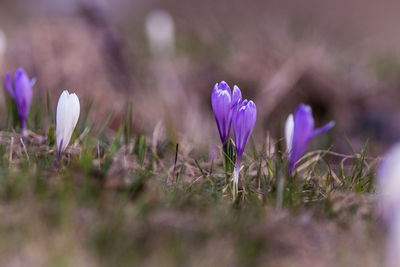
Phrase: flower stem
{"type": "Point", "coordinates": [57, 161]}
{"type": "Point", "coordinates": [58, 156]}
{"type": "Point", "coordinates": [235, 185]}
{"type": "Point", "coordinates": [23, 127]}
{"type": "Point", "coordinates": [225, 148]}
{"type": "Point", "coordinates": [227, 162]}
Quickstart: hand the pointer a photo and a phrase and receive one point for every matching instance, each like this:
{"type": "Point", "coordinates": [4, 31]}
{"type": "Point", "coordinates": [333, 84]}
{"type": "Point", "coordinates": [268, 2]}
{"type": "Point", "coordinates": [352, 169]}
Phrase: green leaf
{"type": "Point", "coordinates": [86, 159]}
{"type": "Point", "coordinates": [140, 148]}
{"type": "Point", "coordinates": [51, 135]}
{"type": "Point", "coordinates": [128, 126]}
{"type": "Point", "coordinates": [115, 146]}
{"type": "Point", "coordinates": [200, 169]}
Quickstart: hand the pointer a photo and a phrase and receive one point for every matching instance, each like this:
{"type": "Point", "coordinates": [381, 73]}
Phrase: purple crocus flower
{"type": "Point", "coordinates": [299, 131]}
{"type": "Point", "coordinates": [244, 119]}
{"type": "Point", "coordinates": [223, 103]}
{"type": "Point", "coordinates": [22, 94]}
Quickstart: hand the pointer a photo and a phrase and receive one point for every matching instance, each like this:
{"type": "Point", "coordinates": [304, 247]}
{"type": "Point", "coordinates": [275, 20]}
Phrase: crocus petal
{"type": "Point", "coordinates": [236, 95]}
{"type": "Point", "coordinates": [302, 133]}
{"type": "Point", "coordinates": [23, 93]}
{"type": "Point", "coordinates": [68, 110]}
{"type": "Point", "coordinates": [9, 85]}
{"type": "Point", "coordinates": [289, 128]}
{"type": "Point", "coordinates": [33, 81]}
{"type": "Point", "coordinates": [327, 127]}
{"type": "Point", "coordinates": [223, 86]}
{"type": "Point", "coordinates": [244, 120]}
{"type": "Point", "coordinates": [221, 106]}
{"type": "Point", "coordinates": [221, 101]}
{"type": "Point", "coordinates": [239, 128]}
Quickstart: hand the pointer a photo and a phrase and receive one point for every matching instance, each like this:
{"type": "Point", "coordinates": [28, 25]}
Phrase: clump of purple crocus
{"type": "Point", "coordinates": [244, 119]}
{"type": "Point", "coordinates": [299, 131]}
{"type": "Point", "coordinates": [223, 102]}
{"type": "Point", "coordinates": [21, 94]}
{"type": "Point", "coordinates": [229, 109]}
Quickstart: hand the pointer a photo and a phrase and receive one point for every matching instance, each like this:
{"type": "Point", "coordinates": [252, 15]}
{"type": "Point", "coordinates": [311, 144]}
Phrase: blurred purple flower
{"type": "Point", "coordinates": [388, 184]}
{"type": "Point", "coordinates": [299, 131]}
{"type": "Point", "coordinates": [388, 204]}
{"type": "Point", "coordinates": [223, 103]}
{"type": "Point", "coordinates": [244, 119]}
{"type": "Point", "coordinates": [22, 94]}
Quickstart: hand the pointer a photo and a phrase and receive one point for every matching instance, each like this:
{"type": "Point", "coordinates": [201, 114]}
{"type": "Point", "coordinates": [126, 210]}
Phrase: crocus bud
{"type": "Point", "coordinates": [388, 208]}
{"type": "Point", "coordinates": [21, 94]}
{"type": "Point", "coordinates": [68, 109]}
{"type": "Point", "coordinates": [299, 131]}
{"type": "Point", "coordinates": [223, 103]}
{"type": "Point", "coordinates": [244, 119]}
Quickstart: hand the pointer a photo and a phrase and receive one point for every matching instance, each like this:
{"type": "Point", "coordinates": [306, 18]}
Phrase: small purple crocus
{"type": "Point", "coordinates": [21, 94]}
{"type": "Point", "coordinates": [244, 119]}
{"type": "Point", "coordinates": [299, 131]}
{"type": "Point", "coordinates": [223, 102]}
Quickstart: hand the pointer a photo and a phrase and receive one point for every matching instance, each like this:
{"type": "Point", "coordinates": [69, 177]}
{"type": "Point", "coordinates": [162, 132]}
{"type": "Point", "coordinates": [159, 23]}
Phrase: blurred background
{"type": "Point", "coordinates": [341, 57]}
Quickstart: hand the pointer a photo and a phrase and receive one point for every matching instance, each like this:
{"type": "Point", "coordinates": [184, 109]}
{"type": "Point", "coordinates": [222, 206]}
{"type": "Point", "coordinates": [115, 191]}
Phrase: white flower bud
{"type": "Point", "coordinates": [68, 110]}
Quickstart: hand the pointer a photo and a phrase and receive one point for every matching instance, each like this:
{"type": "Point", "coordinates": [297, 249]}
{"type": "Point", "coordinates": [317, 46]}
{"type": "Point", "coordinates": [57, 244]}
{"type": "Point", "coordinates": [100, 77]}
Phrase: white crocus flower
{"type": "Point", "coordinates": [289, 128]}
{"type": "Point", "coordinates": [68, 109]}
